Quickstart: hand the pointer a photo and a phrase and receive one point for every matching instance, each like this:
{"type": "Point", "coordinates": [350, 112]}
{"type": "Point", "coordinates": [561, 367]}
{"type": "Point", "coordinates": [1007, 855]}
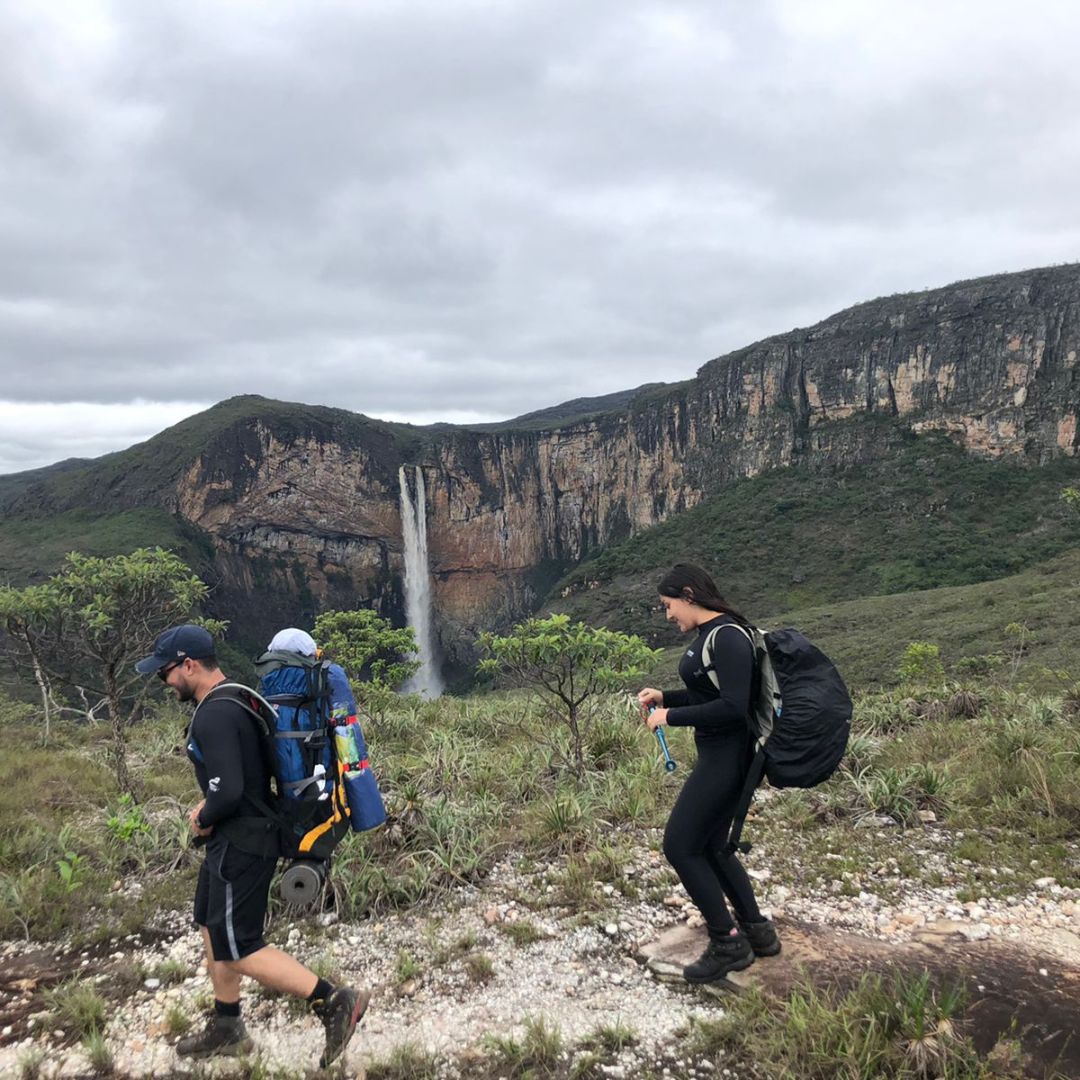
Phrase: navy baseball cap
{"type": "Point", "coordinates": [177, 643]}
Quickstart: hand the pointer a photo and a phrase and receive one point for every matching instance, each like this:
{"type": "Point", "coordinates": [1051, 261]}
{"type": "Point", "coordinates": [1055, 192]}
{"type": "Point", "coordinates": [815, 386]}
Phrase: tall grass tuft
{"type": "Point", "coordinates": [77, 1007]}
{"type": "Point", "coordinates": [904, 1028]}
{"type": "Point", "coordinates": [535, 1053]}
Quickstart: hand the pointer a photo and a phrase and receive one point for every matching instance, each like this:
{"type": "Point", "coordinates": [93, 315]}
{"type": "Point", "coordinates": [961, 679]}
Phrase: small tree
{"type": "Point", "coordinates": [921, 663]}
{"type": "Point", "coordinates": [566, 665]}
{"type": "Point", "coordinates": [24, 615]}
{"type": "Point", "coordinates": [88, 624]}
{"type": "Point", "coordinates": [370, 650]}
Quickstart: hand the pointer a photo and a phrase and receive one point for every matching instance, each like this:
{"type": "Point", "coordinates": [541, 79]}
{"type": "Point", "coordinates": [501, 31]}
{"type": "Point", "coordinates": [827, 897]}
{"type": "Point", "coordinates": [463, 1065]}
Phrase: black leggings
{"type": "Point", "coordinates": [698, 828]}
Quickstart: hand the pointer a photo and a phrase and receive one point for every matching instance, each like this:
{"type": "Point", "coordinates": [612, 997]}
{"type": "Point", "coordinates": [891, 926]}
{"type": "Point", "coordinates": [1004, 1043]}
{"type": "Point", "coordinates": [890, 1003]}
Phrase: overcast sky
{"type": "Point", "coordinates": [458, 211]}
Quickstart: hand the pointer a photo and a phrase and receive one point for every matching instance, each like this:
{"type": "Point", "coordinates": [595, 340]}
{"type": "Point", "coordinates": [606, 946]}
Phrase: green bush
{"type": "Point", "coordinates": [921, 664]}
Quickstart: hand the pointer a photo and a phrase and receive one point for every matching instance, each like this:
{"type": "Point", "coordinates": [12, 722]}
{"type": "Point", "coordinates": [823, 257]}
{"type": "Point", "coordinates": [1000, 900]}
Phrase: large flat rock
{"type": "Point", "coordinates": [1010, 989]}
{"type": "Point", "coordinates": [681, 945]}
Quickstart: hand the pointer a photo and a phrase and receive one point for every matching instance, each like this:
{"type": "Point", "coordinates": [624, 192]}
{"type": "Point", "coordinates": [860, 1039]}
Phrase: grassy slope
{"type": "Point", "coordinates": [111, 505]}
{"type": "Point", "coordinates": [867, 637]}
{"type": "Point", "coordinates": [29, 547]}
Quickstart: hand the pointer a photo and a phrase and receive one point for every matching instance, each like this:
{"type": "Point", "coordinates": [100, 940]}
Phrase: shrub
{"type": "Point", "coordinates": [921, 664]}
{"type": "Point", "coordinates": [566, 665]}
{"type": "Point", "coordinates": [561, 822]}
{"type": "Point", "coordinates": [964, 704]}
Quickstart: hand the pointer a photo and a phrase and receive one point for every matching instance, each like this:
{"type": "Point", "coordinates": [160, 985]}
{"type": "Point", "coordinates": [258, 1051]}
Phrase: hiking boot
{"type": "Point", "coordinates": [222, 1035]}
{"type": "Point", "coordinates": [732, 952]}
{"type": "Point", "coordinates": [340, 1013]}
{"type": "Point", "coordinates": [762, 937]}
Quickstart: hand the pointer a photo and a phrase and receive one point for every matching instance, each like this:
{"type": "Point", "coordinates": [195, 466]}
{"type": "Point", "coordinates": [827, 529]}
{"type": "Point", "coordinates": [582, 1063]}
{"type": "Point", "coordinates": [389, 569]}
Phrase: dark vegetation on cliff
{"type": "Point", "coordinates": [581, 410]}
{"type": "Point", "coordinates": [930, 516]}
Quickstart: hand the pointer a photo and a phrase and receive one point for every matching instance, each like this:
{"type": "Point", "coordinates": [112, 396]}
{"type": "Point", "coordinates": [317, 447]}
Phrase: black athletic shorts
{"type": "Point", "coordinates": [231, 898]}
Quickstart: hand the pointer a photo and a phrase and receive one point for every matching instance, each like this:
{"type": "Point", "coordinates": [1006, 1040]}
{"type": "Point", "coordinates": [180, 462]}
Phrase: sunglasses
{"type": "Point", "coordinates": [163, 673]}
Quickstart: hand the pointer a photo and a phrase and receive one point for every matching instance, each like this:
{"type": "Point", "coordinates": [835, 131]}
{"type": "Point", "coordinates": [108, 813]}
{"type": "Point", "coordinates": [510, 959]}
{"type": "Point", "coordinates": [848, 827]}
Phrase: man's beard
{"type": "Point", "coordinates": [184, 692]}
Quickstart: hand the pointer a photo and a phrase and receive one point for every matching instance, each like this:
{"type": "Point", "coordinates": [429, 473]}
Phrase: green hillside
{"type": "Point", "coordinates": [31, 548]}
{"type": "Point", "coordinates": [791, 540]}
{"type": "Point", "coordinates": [970, 623]}
{"type": "Point", "coordinates": [142, 471]}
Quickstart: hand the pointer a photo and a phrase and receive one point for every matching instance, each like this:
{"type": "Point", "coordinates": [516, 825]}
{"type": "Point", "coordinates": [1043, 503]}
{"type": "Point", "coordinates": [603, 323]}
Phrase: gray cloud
{"type": "Point", "coordinates": [424, 210]}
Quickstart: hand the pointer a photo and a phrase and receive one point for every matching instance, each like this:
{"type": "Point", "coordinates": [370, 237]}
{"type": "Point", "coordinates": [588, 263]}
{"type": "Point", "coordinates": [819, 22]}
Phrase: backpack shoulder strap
{"type": "Point", "coordinates": [708, 649]}
{"type": "Point", "coordinates": [251, 701]}
{"type": "Point", "coordinates": [262, 712]}
{"type": "Point", "coordinates": [756, 768]}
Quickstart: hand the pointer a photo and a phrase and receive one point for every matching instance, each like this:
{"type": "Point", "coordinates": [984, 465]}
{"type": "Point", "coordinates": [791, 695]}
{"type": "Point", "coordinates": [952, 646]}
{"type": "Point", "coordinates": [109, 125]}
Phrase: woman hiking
{"type": "Point", "coordinates": [701, 818]}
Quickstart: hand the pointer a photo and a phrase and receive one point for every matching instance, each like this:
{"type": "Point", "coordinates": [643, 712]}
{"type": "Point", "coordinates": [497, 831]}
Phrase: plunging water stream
{"type": "Point", "coordinates": [426, 681]}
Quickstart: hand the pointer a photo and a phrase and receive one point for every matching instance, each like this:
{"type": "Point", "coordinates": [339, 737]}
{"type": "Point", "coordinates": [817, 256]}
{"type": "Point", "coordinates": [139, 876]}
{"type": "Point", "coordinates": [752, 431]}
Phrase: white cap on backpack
{"type": "Point", "coordinates": [293, 640]}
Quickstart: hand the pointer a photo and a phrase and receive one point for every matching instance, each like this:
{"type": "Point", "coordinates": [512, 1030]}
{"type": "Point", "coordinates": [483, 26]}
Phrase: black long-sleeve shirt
{"type": "Point", "coordinates": [225, 749]}
{"type": "Point", "coordinates": [701, 705]}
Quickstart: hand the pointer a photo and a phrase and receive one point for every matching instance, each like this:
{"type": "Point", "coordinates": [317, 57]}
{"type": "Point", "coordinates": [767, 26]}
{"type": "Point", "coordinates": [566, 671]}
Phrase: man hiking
{"type": "Point", "coordinates": [234, 879]}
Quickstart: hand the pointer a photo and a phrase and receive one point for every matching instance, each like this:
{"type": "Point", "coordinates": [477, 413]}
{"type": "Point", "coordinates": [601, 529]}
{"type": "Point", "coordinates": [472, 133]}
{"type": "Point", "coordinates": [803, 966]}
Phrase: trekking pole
{"type": "Point", "coordinates": [661, 738]}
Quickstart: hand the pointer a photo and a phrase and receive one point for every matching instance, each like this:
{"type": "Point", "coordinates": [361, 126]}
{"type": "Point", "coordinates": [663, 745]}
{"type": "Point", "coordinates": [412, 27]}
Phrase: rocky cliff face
{"type": "Point", "coordinates": [991, 362]}
{"type": "Point", "coordinates": [300, 505]}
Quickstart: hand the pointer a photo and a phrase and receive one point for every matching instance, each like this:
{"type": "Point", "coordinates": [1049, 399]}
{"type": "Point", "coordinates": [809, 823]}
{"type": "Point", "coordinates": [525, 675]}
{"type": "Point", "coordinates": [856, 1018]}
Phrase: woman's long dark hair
{"type": "Point", "coordinates": [685, 581]}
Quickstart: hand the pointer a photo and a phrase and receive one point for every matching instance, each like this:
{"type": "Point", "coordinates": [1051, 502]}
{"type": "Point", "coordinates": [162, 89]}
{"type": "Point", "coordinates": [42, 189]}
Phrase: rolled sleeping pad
{"type": "Point", "coordinates": [302, 881]}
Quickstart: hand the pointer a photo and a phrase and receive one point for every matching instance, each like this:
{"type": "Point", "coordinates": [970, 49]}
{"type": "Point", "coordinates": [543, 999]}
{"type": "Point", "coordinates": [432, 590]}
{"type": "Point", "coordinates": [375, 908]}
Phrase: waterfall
{"type": "Point", "coordinates": [426, 681]}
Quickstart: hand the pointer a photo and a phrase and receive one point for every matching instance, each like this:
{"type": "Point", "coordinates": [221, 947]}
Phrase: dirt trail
{"type": "Point", "coordinates": [579, 968]}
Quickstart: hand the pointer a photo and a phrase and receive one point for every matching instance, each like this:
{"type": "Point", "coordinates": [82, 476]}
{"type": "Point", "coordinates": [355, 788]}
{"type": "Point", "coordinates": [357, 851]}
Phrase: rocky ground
{"type": "Point", "coordinates": [456, 975]}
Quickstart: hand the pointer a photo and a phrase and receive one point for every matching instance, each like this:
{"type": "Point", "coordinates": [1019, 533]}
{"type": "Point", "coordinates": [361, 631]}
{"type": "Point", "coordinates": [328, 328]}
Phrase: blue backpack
{"type": "Point", "coordinates": [301, 703]}
{"type": "Point", "coordinates": [301, 689]}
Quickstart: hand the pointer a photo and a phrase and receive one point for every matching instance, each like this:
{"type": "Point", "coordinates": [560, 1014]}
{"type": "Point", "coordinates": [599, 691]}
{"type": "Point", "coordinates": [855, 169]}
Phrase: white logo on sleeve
{"type": "Point", "coordinates": [215, 783]}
